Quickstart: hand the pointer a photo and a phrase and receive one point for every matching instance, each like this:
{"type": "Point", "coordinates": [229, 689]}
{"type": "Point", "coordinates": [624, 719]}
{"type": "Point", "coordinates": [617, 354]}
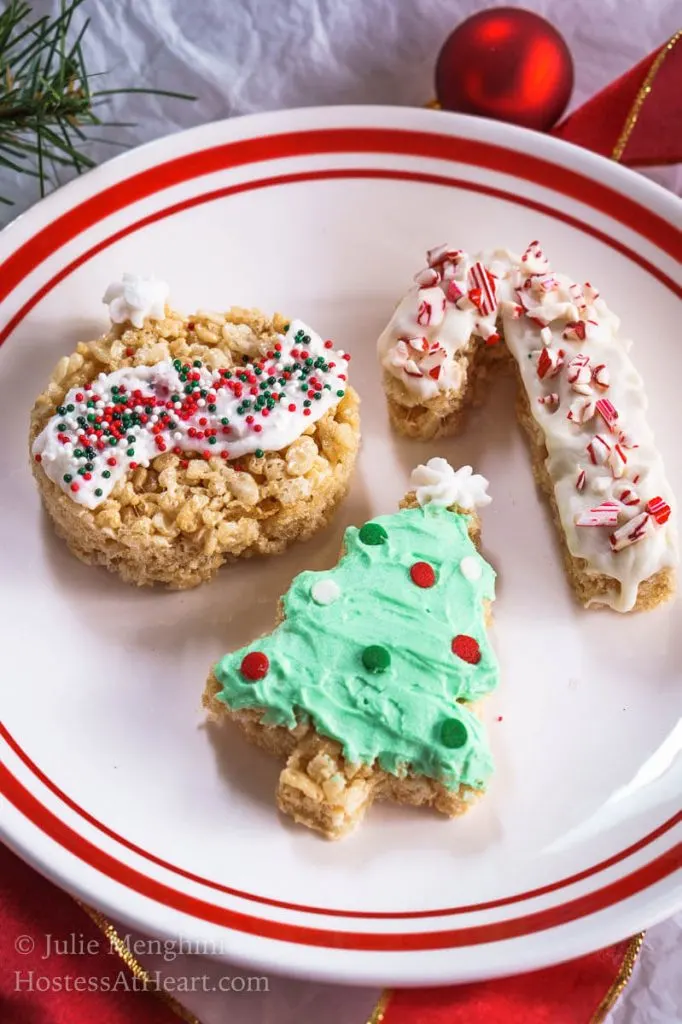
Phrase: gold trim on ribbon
{"type": "Point", "coordinates": [644, 92]}
{"type": "Point", "coordinates": [379, 1010]}
{"type": "Point", "coordinates": [621, 980]}
{"type": "Point", "coordinates": [135, 967]}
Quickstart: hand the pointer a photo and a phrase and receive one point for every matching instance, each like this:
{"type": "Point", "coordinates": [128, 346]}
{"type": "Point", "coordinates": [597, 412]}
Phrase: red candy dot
{"type": "Point", "coordinates": [466, 648]}
{"type": "Point", "coordinates": [423, 574]}
{"type": "Point", "coordinates": [255, 665]}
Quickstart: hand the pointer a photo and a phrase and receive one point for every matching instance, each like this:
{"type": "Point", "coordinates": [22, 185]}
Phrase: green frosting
{"type": "Point", "coordinates": [375, 669]}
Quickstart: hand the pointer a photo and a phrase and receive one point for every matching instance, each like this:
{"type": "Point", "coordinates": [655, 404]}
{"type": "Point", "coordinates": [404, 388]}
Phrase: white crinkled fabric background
{"type": "Point", "coordinates": [243, 56]}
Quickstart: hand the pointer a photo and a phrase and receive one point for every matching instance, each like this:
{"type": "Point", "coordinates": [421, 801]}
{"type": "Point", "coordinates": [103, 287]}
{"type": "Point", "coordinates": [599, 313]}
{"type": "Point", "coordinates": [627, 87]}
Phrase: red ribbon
{"type": "Point", "coordinates": [638, 118]}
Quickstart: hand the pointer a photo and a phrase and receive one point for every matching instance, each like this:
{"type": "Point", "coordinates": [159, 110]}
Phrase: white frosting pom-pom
{"type": "Point", "coordinates": [136, 299]}
{"type": "Point", "coordinates": [438, 483]}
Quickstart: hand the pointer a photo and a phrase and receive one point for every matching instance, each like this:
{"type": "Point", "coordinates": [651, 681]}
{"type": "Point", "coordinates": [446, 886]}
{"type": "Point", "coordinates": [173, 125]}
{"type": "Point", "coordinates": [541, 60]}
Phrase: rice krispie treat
{"type": "Point", "coordinates": [174, 444]}
{"type": "Point", "coordinates": [580, 400]}
{"type": "Point", "coordinates": [368, 686]}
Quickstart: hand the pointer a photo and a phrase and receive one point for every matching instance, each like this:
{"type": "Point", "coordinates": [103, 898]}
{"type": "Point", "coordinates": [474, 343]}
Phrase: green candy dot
{"type": "Point", "coordinates": [130, 452]}
{"type": "Point", "coordinates": [376, 658]}
{"type": "Point", "coordinates": [212, 440]}
{"type": "Point", "coordinates": [67, 478]}
{"type": "Point", "coordinates": [373, 533]}
{"type": "Point", "coordinates": [106, 474]}
{"type": "Point", "coordinates": [453, 733]}
{"type": "Point", "coordinates": [98, 492]}
{"type": "Point", "coordinates": [339, 394]}
{"type": "Point", "coordinates": [225, 421]}
{"type": "Point", "coordinates": [259, 453]}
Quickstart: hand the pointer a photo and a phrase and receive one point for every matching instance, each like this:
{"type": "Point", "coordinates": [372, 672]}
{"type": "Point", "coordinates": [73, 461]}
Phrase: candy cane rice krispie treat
{"type": "Point", "coordinates": [580, 400]}
{"type": "Point", "coordinates": [174, 444]}
{"type": "Point", "coordinates": [367, 688]}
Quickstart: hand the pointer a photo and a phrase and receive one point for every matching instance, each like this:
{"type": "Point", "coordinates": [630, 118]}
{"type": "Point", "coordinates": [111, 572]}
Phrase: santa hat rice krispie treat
{"type": "Point", "coordinates": [173, 444]}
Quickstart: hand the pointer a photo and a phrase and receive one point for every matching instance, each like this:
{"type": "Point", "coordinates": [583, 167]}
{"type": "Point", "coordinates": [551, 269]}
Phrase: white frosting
{"type": "Point", "coordinates": [136, 299]}
{"type": "Point", "coordinates": [438, 483]}
{"type": "Point", "coordinates": [433, 323]}
{"type": "Point", "coordinates": [325, 592]}
{"type": "Point", "coordinates": [174, 423]}
{"type": "Point", "coordinates": [591, 406]}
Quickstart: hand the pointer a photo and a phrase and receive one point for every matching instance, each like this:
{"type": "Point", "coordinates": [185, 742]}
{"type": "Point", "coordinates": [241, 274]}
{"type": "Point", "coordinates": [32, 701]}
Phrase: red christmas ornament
{"type": "Point", "coordinates": [255, 665]}
{"type": "Point", "coordinates": [508, 64]}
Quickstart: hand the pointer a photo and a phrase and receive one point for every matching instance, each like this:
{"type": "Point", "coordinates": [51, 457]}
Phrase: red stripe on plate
{"type": "Point", "coordinates": [336, 140]}
{"type": "Point", "coordinates": [357, 914]}
{"type": "Point", "coordinates": [658, 869]}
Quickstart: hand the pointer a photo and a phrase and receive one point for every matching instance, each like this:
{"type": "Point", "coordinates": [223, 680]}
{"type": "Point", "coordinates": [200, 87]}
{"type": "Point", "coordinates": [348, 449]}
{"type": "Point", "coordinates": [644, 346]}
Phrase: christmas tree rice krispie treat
{"type": "Point", "coordinates": [581, 402]}
{"type": "Point", "coordinates": [173, 444]}
{"type": "Point", "coordinates": [368, 687]}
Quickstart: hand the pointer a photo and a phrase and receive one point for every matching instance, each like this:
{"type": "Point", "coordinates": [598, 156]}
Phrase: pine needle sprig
{"type": "Point", "coordinates": [46, 99]}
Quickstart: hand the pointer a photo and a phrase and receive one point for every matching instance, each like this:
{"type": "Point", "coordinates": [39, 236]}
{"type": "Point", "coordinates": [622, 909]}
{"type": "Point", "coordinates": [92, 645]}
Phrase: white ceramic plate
{"type": "Point", "coordinates": [117, 790]}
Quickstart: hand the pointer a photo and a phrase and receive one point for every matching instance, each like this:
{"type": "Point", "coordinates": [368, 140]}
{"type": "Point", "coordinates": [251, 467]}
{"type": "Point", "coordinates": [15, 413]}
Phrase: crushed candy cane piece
{"type": "Point", "coordinates": [626, 440]}
{"type": "Point", "coordinates": [581, 410]}
{"type": "Point", "coordinates": [590, 292]}
{"type": "Point", "coordinates": [580, 480]}
{"type": "Point", "coordinates": [627, 496]}
{"type": "Point", "coordinates": [487, 331]}
{"type": "Point", "coordinates": [605, 514]}
{"type": "Point", "coordinates": [608, 413]}
{"type": "Point", "coordinates": [659, 509]}
{"type": "Point", "coordinates": [431, 307]}
{"type": "Point", "coordinates": [601, 376]}
{"type": "Point", "coordinates": [546, 336]}
{"type": "Point", "coordinates": [574, 330]}
{"type": "Point", "coordinates": [483, 282]}
{"type": "Point", "coordinates": [617, 460]}
{"type": "Point", "coordinates": [534, 260]}
{"type": "Point", "coordinates": [441, 254]}
{"type": "Point", "coordinates": [453, 292]}
{"type": "Point", "coordinates": [631, 532]}
{"type": "Point", "coordinates": [551, 401]}
{"type": "Point", "coordinates": [550, 362]}
{"type": "Point", "coordinates": [427, 277]}
{"type": "Point", "coordinates": [598, 450]}
{"type": "Point", "coordinates": [578, 296]}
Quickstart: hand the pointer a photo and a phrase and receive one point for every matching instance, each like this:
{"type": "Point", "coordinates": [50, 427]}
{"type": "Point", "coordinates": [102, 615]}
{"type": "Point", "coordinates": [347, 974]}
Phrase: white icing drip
{"type": "Point", "coordinates": [611, 382]}
{"type": "Point", "coordinates": [438, 483]}
{"type": "Point", "coordinates": [431, 324]}
{"type": "Point", "coordinates": [136, 299]}
{"type": "Point", "coordinates": [272, 428]}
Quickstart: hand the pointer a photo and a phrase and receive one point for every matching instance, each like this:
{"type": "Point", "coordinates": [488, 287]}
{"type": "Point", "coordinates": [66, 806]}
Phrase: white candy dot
{"type": "Point", "coordinates": [470, 568]}
{"type": "Point", "coordinates": [325, 592]}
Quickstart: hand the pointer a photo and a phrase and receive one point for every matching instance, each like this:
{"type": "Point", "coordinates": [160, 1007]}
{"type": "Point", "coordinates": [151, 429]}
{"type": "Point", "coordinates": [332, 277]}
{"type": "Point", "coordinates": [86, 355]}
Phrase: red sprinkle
{"type": "Point", "coordinates": [111, 462]}
{"type": "Point", "coordinates": [74, 487]}
{"type": "Point", "coordinates": [130, 351]}
{"type": "Point", "coordinates": [466, 648]}
{"type": "Point", "coordinates": [423, 574]}
{"type": "Point", "coordinates": [329, 344]}
{"type": "Point", "coordinates": [255, 665]}
{"type": "Point", "coordinates": [292, 407]}
{"type": "Point", "coordinates": [39, 458]}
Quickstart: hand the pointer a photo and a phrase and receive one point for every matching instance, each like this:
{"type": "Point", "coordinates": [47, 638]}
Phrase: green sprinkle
{"type": "Point", "coordinates": [130, 451]}
{"type": "Point", "coordinates": [376, 659]}
{"type": "Point", "coordinates": [259, 453]}
{"type": "Point", "coordinates": [67, 478]}
{"type": "Point", "coordinates": [98, 492]}
{"type": "Point", "coordinates": [61, 426]}
{"type": "Point", "coordinates": [225, 422]}
{"type": "Point", "coordinates": [212, 440]}
{"type": "Point", "coordinates": [69, 408]}
{"type": "Point", "coordinates": [197, 363]}
{"type": "Point", "coordinates": [453, 733]}
{"type": "Point", "coordinates": [78, 452]}
{"type": "Point", "coordinates": [113, 441]}
{"type": "Point", "coordinates": [61, 410]}
{"type": "Point", "coordinates": [372, 533]}
{"type": "Point", "coordinates": [340, 394]}
{"type": "Point", "coordinates": [307, 403]}
{"type": "Point", "coordinates": [106, 474]}
{"type": "Point", "coordinates": [317, 396]}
